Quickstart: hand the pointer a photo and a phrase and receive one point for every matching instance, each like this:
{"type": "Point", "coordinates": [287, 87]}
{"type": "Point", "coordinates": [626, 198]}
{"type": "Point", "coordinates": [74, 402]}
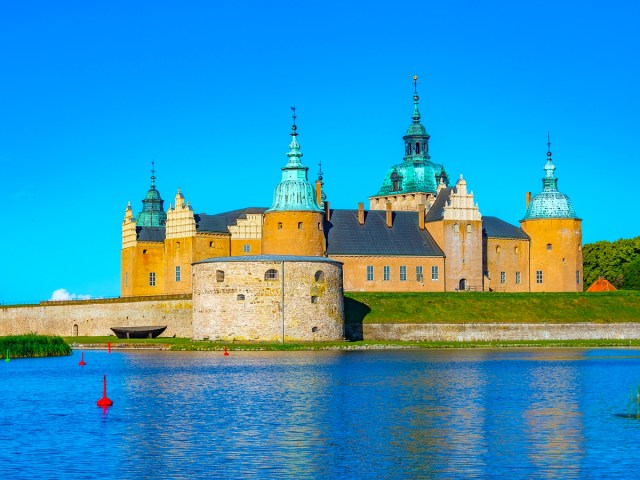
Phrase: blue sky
{"type": "Point", "coordinates": [92, 92]}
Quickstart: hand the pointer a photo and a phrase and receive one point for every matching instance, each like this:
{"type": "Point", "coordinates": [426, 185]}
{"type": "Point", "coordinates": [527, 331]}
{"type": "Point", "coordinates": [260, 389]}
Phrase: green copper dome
{"type": "Point", "coordinates": [152, 214]}
{"type": "Point", "coordinates": [417, 173]}
{"type": "Point", "coordinates": [550, 203]}
{"type": "Point", "coordinates": [294, 192]}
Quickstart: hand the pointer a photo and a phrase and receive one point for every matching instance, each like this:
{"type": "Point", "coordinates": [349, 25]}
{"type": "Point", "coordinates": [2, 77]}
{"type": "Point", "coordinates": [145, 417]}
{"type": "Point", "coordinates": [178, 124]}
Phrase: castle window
{"type": "Point", "coordinates": [456, 228]}
{"type": "Point", "coordinates": [518, 278]}
{"type": "Point", "coordinates": [152, 279]}
{"type": "Point", "coordinates": [538, 276]}
{"type": "Point", "coordinates": [144, 252]}
{"type": "Point", "coordinates": [419, 274]}
{"type": "Point", "coordinates": [578, 277]}
{"type": "Point", "coordinates": [271, 274]}
{"type": "Point", "coordinates": [177, 245]}
{"type": "Point", "coordinates": [369, 273]}
{"type": "Point", "coordinates": [279, 225]}
{"type": "Point", "coordinates": [299, 225]}
{"type": "Point", "coordinates": [424, 147]}
{"type": "Point", "coordinates": [177, 274]}
{"type": "Point", "coordinates": [498, 250]}
{"type": "Point", "coordinates": [396, 182]}
{"type": "Point", "coordinates": [240, 297]}
{"type": "Point", "coordinates": [548, 246]}
{"type": "Point", "coordinates": [219, 276]}
{"type": "Point", "coordinates": [314, 329]}
{"type": "Point", "coordinates": [246, 248]}
{"type": "Point", "coordinates": [417, 148]}
{"type": "Point", "coordinates": [503, 277]}
{"type": "Point", "coordinates": [434, 273]}
{"type": "Point", "coordinates": [319, 226]}
{"type": "Point", "coordinates": [468, 228]}
{"type": "Point", "coordinates": [408, 149]}
{"type": "Point", "coordinates": [319, 276]}
{"type": "Point", "coordinates": [516, 250]}
{"type": "Point", "coordinates": [403, 273]}
{"type": "Point", "coordinates": [210, 244]}
{"type": "Point", "coordinates": [314, 299]}
{"type": "Point", "coordinates": [386, 273]}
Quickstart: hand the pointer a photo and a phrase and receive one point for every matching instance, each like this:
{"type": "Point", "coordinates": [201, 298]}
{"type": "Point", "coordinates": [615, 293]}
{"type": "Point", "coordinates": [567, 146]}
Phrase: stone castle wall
{"type": "Point", "coordinates": [96, 317]}
{"type": "Point", "coordinates": [474, 332]}
{"type": "Point", "coordinates": [237, 299]}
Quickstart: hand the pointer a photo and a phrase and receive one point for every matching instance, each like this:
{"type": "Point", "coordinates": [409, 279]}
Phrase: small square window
{"type": "Point", "coordinates": [246, 248]}
{"type": "Point", "coordinates": [152, 279]}
{"type": "Point", "coordinates": [538, 276]}
{"type": "Point", "coordinates": [434, 273]}
{"type": "Point", "coordinates": [549, 246]}
{"type": "Point", "coordinates": [369, 273]}
{"type": "Point", "coordinates": [503, 277]}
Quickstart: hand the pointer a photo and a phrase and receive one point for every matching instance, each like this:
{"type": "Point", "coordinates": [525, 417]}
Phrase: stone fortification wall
{"type": "Point", "coordinates": [239, 298]}
{"type": "Point", "coordinates": [96, 317]}
{"type": "Point", "coordinates": [473, 332]}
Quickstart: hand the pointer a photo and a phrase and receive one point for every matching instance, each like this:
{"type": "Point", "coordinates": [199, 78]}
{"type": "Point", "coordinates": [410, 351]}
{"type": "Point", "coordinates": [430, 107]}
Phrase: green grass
{"type": "Point", "coordinates": [492, 307]}
{"type": "Point", "coordinates": [185, 344]}
{"type": "Point", "coordinates": [29, 346]}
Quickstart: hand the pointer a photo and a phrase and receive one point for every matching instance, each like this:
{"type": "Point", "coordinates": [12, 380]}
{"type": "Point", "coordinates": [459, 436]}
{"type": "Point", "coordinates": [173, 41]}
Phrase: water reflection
{"type": "Point", "coordinates": [404, 414]}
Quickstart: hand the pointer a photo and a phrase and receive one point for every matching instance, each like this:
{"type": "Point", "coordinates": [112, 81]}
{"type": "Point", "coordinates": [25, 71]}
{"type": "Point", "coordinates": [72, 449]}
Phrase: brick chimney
{"type": "Point", "coordinates": [528, 200]}
{"type": "Point", "coordinates": [421, 216]}
{"type": "Point", "coordinates": [361, 213]}
{"type": "Point", "coordinates": [327, 211]}
{"type": "Point", "coordinates": [389, 216]}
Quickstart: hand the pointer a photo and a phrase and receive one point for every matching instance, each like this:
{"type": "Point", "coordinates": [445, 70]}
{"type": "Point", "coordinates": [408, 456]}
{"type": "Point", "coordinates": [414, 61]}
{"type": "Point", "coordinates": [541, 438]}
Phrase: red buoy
{"type": "Point", "coordinates": [82, 362]}
{"type": "Point", "coordinates": [109, 346]}
{"type": "Point", "coordinates": [104, 401]}
{"type": "Point", "coordinates": [226, 353]}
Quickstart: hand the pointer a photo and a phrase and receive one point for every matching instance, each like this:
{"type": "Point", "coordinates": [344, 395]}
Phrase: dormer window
{"type": "Point", "coordinates": [396, 182]}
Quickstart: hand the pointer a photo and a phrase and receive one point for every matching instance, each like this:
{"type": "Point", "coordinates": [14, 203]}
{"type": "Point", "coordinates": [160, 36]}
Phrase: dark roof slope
{"type": "Point", "coordinates": [150, 234]}
{"type": "Point", "coordinates": [345, 236]}
{"type": "Point", "coordinates": [436, 212]}
{"type": "Point", "coordinates": [495, 228]}
{"type": "Point", "coordinates": [219, 222]}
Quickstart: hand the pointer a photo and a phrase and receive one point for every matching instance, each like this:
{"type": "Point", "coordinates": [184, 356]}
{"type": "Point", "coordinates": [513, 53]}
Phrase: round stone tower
{"type": "Point", "coordinates": [555, 257]}
{"type": "Point", "coordinates": [294, 225]}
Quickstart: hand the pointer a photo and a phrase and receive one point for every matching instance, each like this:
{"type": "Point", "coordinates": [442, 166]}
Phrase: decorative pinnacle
{"type": "Point", "coordinates": [416, 112]}
{"type": "Point", "coordinates": [153, 174]}
{"type": "Point", "coordinates": [293, 127]}
{"type": "Point", "coordinates": [320, 170]}
{"type": "Point", "coordinates": [548, 145]}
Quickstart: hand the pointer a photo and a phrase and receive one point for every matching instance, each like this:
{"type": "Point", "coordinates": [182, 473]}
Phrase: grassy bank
{"type": "Point", "coordinates": [29, 346]}
{"type": "Point", "coordinates": [493, 307]}
{"type": "Point", "coordinates": [185, 344]}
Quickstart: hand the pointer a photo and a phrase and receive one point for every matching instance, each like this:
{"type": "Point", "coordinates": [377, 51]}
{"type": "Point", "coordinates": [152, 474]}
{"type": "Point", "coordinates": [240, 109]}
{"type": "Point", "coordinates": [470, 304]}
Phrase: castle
{"type": "Point", "coordinates": [421, 233]}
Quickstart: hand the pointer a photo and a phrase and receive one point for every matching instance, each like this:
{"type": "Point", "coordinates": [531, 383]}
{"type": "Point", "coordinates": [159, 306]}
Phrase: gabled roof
{"type": "Point", "coordinates": [436, 212]}
{"type": "Point", "coordinates": [150, 234]}
{"type": "Point", "coordinates": [345, 236]}
{"type": "Point", "coordinates": [219, 222]}
{"type": "Point", "coordinates": [493, 227]}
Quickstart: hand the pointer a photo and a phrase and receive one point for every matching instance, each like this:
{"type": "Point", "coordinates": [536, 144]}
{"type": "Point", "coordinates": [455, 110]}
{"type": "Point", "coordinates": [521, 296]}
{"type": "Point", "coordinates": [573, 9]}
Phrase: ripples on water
{"type": "Point", "coordinates": [548, 413]}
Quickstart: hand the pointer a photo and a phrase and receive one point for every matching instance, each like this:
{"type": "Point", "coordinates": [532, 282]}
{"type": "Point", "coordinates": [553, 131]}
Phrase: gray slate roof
{"type": "Point", "coordinates": [219, 222]}
{"type": "Point", "coordinates": [436, 212]}
{"type": "Point", "coordinates": [495, 228]}
{"type": "Point", "coordinates": [150, 234]}
{"type": "Point", "coordinates": [345, 236]}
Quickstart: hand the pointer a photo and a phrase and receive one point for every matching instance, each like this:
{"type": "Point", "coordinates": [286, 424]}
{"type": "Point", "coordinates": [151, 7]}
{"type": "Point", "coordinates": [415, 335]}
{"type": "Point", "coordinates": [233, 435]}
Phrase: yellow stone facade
{"type": "Point", "coordinates": [293, 233]}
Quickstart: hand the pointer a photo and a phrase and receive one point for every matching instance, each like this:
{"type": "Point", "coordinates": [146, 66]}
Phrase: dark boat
{"type": "Point", "coordinates": [138, 332]}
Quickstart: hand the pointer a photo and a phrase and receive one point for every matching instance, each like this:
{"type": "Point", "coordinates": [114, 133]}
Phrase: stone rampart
{"type": "Point", "coordinates": [96, 317]}
{"type": "Point", "coordinates": [475, 332]}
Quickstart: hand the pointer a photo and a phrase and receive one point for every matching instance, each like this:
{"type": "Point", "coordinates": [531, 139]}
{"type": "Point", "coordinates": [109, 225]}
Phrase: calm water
{"type": "Point", "coordinates": [548, 413]}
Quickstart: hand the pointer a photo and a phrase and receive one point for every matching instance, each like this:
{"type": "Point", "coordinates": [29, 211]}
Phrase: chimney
{"type": "Point", "coordinates": [528, 199]}
{"type": "Point", "coordinates": [327, 211]}
{"type": "Point", "coordinates": [319, 192]}
{"type": "Point", "coordinates": [361, 213]}
{"type": "Point", "coordinates": [421, 216]}
{"type": "Point", "coordinates": [389, 215]}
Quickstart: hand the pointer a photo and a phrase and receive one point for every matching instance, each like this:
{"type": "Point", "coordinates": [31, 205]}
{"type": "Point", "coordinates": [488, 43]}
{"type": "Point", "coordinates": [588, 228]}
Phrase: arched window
{"type": "Point", "coordinates": [319, 226]}
{"type": "Point", "coordinates": [211, 244]}
{"type": "Point", "coordinates": [319, 276]}
{"type": "Point", "coordinates": [516, 250]}
{"type": "Point", "coordinates": [271, 274]}
{"type": "Point", "coordinates": [219, 276]}
{"type": "Point", "coordinates": [279, 225]}
{"type": "Point", "coordinates": [314, 299]}
{"type": "Point", "coordinates": [408, 149]}
{"type": "Point", "coordinates": [177, 245]}
{"type": "Point", "coordinates": [456, 228]}
{"type": "Point", "coordinates": [425, 149]}
{"type": "Point", "coordinates": [240, 296]}
{"type": "Point", "coordinates": [498, 249]}
{"type": "Point", "coordinates": [549, 247]}
{"type": "Point", "coordinates": [468, 228]}
{"type": "Point", "coordinates": [417, 148]}
{"type": "Point", "coordinates": [299, 225]}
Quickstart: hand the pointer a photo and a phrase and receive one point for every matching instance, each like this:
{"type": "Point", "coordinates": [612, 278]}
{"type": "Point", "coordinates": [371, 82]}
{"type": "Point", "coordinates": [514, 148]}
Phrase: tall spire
{"type": "Point", "coordinates": [416, 112]}
{"type": "Point", "coordinates": [153, 174]}
{"type": "Point", "coordinates": [549, 168]}
{"type": "Point", "coordinates": [152, 214]}
{"type": "Point", "coordinates": [294, 147]}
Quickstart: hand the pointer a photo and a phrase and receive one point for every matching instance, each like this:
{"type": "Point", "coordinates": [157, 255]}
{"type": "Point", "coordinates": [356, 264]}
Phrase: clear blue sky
{"type": "Point", "coordinates": [92, 92]}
